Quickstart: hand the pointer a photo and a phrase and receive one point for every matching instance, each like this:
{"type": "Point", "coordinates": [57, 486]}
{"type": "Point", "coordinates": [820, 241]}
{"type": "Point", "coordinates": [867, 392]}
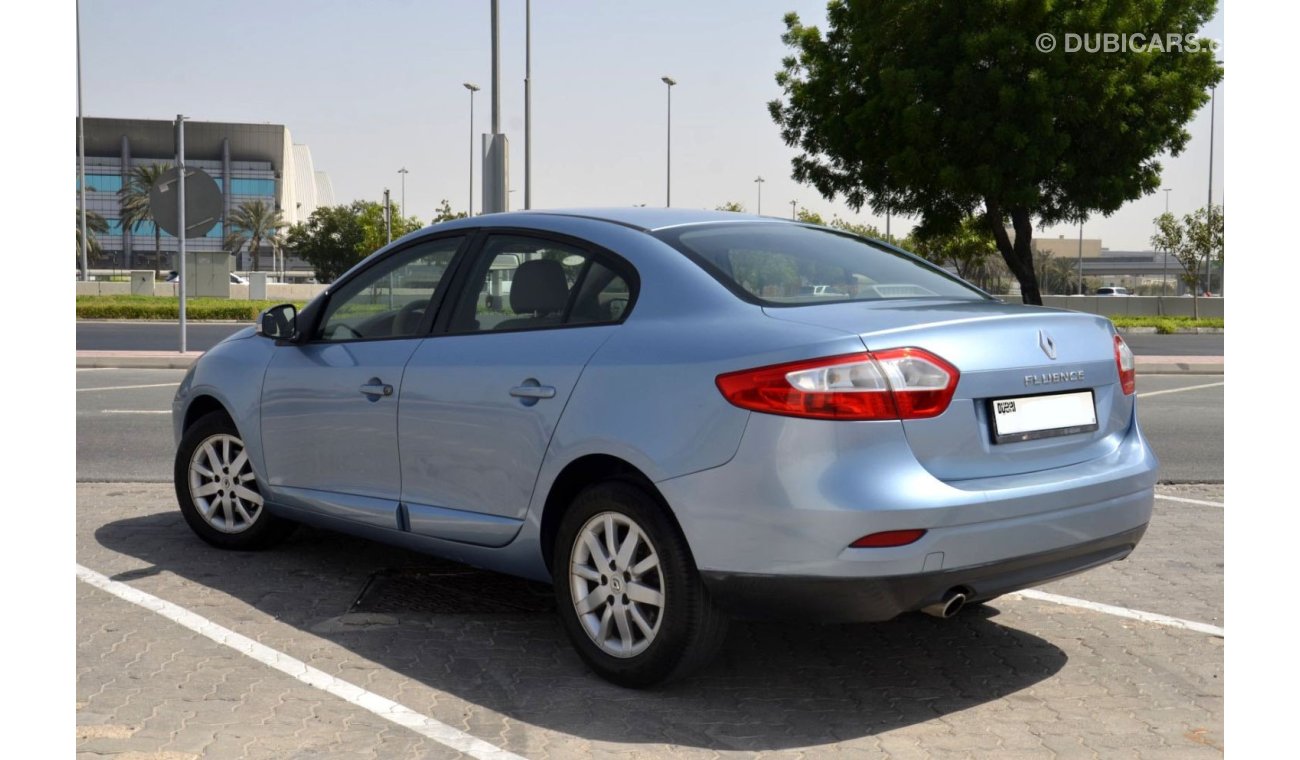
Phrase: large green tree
{"type": "Point", "coordinates": [944, 110]}
{"type": "Point", "coordinates": [134, 199]}
{"type": "Point", "coordinates": [335, 237]}
{"type": "Point", "coordinates": [966, 247]}
{"type": "Point", "coordinates": [252, 224]}
{"type": "Point", "coordinates": [331, 241]}
{"type": "Point", "coordinates": [371, 215]}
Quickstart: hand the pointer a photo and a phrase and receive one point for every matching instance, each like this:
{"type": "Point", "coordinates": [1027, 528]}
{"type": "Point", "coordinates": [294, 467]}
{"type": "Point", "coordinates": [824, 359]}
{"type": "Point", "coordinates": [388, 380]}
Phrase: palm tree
{"type": "Point", "coordinates": [254, 223]}
{"type": "Point", "coordinates": [97, 226]}
{"type": "Point", "coordinates": [134, 198]}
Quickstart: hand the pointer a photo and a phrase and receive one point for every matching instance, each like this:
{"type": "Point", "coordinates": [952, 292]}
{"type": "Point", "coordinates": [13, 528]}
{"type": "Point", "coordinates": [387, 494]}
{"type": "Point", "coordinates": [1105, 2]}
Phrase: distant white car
{"type": "Point", "coordinates": [1113, 291]}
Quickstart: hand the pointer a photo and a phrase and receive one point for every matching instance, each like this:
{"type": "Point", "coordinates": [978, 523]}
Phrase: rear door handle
{"type": "Point", "coordinates": [532, 391]}
{"type": "Point", "coordinates": [376, 388]}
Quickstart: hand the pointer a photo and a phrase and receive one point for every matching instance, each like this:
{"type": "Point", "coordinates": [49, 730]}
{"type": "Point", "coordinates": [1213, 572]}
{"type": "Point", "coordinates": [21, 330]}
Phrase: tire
{"type": "Point", "coordinates": [647, 620]}
{"type": "Point", "coordinates": [224, 508]}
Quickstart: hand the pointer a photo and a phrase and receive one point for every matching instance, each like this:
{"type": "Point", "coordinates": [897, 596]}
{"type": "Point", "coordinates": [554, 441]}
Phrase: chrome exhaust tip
{"type": "Point", "coordinates": [951, 603]}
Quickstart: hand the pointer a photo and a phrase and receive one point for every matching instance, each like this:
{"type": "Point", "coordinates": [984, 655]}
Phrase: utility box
{"type": "Point", "coordinates": [207, 274]}
{"type": "Point", "coordinates": [257, 286]}
{"type": "Point", "coordinates": [141, 282]}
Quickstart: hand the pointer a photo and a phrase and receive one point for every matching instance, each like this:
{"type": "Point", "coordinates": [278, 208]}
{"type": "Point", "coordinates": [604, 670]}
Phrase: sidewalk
{"type": "Point", "coordinates": [1179, 365]}
{"type": "Point", "coordinates": [1146, 365]}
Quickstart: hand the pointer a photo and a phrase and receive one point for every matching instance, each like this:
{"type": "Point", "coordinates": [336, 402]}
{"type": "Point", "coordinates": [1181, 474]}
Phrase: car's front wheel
{"type": "Point", "coordinates": [627, 590]}
{"type": "Point", "coordinates": [218, 491]}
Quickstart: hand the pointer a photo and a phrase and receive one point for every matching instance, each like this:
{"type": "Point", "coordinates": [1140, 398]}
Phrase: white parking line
{"type": "Point", "coordinates": [126, 387]}
{"type": "Point", "coordinates": [135, 411]}
{"type": "Point", "coordinates": [1179, 390]}
{"type": "Point", "coordinates": [1190, 501]}
{"type": "Point", "coordinates": [1124, 612]}
{"type": "Point", "coordinates": [301, 671]}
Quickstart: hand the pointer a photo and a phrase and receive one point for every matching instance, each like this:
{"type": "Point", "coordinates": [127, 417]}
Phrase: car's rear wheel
{"type": "Point", "coordinates": [627, 590]}
{"type": "Point", "coordinates": [218, 491]}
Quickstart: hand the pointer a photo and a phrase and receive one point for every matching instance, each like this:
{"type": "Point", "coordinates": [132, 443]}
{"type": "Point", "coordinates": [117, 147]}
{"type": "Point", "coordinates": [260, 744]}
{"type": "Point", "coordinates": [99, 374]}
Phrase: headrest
{"type": "Point", "coordinates": [539, 287]}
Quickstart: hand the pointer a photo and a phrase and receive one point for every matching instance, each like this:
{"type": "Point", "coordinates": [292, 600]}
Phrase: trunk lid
{"type": "Point", "coordinates": [1002, 351]}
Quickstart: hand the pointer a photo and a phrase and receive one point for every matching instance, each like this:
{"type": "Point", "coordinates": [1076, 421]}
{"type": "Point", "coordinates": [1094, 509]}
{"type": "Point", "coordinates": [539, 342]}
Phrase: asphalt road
{"type": "Point", "coordinates": [165, 336]}
{"type": "Point", "coordinates": [124, 431]}
{"type": "Point", "coordinates": [1175, 345]}
{"type": "Point", "coordinates": [151, 336]}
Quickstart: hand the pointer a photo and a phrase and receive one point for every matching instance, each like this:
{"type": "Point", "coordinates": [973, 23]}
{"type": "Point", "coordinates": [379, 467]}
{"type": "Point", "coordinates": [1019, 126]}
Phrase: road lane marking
{"type": "Point", "coordinates": [1179, 390]}
{"type": "Point", "coordinates": [128, 387]}
{"type": "Point", "coordinates": [1124, 612]}
{"type": "Point", "coordinates": [1190, 501]}
{"type": "Point", "coordinates": [301, 671]}
{"type": "Point", "coordinates": [135, 411]}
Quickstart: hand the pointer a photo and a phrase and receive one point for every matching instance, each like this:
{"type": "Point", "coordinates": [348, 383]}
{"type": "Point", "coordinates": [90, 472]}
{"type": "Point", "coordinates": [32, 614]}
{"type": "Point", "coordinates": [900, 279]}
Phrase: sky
{"type": "Point", "coordinates": [376, 86]}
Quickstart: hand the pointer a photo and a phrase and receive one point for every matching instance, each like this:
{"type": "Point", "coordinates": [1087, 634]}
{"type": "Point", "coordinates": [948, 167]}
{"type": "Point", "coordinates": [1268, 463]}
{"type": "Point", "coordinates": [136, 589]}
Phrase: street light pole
{"type": "Point", "coordinates": [668, 182]}
{"type": "Point", "coordinates": [528, 104]}
{"type": "Point", "coordinates": [403, 172]}
{"type": "Point", "coordinates": [81, 162]}
{"type": "Point", "coordinates": [1164, 277]}
{"type": "Point", "coordinates": [793, 204]}
{"type": "Point", "coordinates": [1209, 195]}
{"type": "Point", "coordinates": [759, 181]}
{"type": "Point", "coordinates": [1080, 258]}
{"type": "Point", "coordinates": [182, 231]}
{"type": "Point", "coordinates": [473, 88]}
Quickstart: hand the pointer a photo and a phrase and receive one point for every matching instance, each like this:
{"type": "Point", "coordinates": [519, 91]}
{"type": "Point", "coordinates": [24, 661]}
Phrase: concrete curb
{"type": "Point", "coordinates": [98, 321]}
{"type": "Point", "coordinates": [136, 359]}
{"type": "Point", "coordinates": [1179, 331]}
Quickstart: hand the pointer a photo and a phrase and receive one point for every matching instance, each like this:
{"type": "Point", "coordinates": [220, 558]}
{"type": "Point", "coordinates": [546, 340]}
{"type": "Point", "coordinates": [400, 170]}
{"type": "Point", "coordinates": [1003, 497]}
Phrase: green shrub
{"type": "Point", "coordinates": [166, 308]}
{"type": "Point", "coordinates": [1167, 325]}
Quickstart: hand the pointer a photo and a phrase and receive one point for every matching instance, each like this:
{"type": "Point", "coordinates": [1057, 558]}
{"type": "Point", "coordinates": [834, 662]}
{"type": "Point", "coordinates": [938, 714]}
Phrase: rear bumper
{"type": "Point", "coordinates": [845, 600]}
{"type": "Point", "coordinates": [781, 516]}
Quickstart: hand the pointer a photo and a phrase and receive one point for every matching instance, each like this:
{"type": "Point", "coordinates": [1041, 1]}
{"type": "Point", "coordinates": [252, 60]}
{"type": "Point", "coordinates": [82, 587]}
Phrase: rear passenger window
{"type": "Point", "coordinates": [527, 284]}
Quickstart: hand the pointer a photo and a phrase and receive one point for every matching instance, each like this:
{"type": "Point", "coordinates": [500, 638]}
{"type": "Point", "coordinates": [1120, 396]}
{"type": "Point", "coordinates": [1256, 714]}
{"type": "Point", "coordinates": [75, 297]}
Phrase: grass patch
{"type": "Point", "coordinates": [1167, 325]}
{"type": "Point", "coordinates": [168, 308]}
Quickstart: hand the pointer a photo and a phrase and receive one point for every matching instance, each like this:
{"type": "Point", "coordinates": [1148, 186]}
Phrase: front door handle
{"type": "Point", "coordinates": [376, 387]}
{"type": "Point", "coordinates": [532, 391]}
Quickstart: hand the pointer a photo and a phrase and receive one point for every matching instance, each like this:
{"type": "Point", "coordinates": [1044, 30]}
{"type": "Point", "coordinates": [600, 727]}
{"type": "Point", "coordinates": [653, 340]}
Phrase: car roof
{"type": "Point", "coordinates": [638, 217]}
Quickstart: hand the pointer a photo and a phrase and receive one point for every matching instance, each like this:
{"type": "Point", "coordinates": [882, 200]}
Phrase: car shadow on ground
{"type": "Point", "coordinates": [494, 643]}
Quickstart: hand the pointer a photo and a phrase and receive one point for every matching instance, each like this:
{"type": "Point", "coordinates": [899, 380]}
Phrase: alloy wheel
{"type": "Point", "coordinates": [223, 487]}
{"type": "Point", "coordinates": [616, 584]}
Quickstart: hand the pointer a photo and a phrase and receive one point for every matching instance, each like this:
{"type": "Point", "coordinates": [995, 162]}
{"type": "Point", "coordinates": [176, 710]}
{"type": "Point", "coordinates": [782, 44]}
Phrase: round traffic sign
{"type": "Point", "coordinates": [202, 202]}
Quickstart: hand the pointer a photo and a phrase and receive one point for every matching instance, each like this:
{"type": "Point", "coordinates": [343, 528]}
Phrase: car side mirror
{"type": "Point", "coordinates": [279, 322]}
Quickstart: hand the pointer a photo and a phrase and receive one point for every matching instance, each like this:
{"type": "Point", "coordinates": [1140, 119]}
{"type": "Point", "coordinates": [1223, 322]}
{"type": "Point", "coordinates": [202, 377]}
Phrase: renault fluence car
{"type": "Point", "coordinates": [656, 412]}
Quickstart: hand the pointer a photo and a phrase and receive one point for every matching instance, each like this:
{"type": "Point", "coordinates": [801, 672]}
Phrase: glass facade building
{"type": "Point", "coordinates": [250, 162]}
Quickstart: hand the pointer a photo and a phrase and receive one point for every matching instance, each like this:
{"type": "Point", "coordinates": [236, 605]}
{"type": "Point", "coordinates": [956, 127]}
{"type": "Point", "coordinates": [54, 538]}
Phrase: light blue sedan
{"type": "Point", "coordinates": [676, 417]}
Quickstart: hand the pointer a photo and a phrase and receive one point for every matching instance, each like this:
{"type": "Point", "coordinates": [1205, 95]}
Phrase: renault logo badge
{"type": "Point", "coordinates": [1046, 343]}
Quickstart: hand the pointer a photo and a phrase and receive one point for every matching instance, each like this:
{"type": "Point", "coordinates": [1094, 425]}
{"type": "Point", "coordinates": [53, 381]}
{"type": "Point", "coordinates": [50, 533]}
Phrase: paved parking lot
{"type": "Point", "coordinates": [1038, 675]}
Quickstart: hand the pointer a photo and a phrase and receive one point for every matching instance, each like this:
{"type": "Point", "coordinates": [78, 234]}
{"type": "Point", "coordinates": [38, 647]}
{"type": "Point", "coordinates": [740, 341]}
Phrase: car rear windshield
{"type": "Point", "coordinates": [777, 264]}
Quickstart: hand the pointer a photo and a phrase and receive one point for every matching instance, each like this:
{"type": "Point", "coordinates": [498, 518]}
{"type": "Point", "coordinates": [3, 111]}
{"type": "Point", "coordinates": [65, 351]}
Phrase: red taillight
{"type": "Point", "coordinates": [888, 538]}
{"type": "Point", "coordinates": [1127, 367]}
{"type": "Point", "coordinates": [901, 383]}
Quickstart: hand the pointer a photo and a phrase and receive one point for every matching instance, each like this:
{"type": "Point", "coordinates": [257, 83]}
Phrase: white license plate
{"type": "Point", "coordinates": [1028, 417]}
